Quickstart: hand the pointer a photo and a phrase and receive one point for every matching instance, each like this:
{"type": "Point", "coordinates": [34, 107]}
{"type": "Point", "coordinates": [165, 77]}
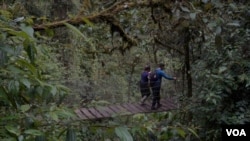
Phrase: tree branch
{"type": "Point", "coordinates": [105, 15]}
{"type": "Point", "coordinates": [112, 10]}
{"type": "Point", "coordinates": [175, 49]}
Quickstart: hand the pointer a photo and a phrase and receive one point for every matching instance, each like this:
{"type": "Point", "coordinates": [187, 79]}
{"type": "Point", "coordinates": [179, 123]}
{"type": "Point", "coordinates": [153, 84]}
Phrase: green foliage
{"type": "Point", "coordinates": [71, 135]}
{"type": "Point", "coordinates": [29, 100]}
{"type": "Point", "coordinates": [100, 68]}
{"type": "Point", "coordinates": [223, 64]}
{"type": "Point", "coordinates": [123, 134]}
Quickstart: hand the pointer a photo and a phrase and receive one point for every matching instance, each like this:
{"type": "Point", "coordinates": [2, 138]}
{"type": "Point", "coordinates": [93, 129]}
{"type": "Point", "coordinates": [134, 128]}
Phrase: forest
{"type": "Point", "coordinates": [60, 55]}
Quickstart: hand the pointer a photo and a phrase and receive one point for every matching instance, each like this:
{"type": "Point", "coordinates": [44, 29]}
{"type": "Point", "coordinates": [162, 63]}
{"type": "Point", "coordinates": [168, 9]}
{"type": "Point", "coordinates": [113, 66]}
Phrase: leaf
{"type": "Point", "coordinates": [61, 87]}
{"type": "Point", "coordinates": [13, 130]}
{"type": "Point", "coordinates": [13, 86]}
{"type": "Point", "coordinates": [28, 30]}
{"type": "Point", "coordinates": [214, 101]}
{"type": "Point", "coordinates": [53, 90]}
{"type": "Point", "coordinates": [236, 24]}
{"type": "Point", "coordinates": [87, 21]}
{"type": "Point", "coordinates": [49, 32]}
{"type": "Point", "coordinates": [181, 132]}
{"type": "Point", "coordinates": [33, 132]}
{"type": "Point", "coordinates": [39, 90]}
{"type": "Point", "coordinates": [233, 6]}
{"type": "Point", "coordinates": [211, 25]}
{"type": "Point", "coordinates": [192, 16]}
{"type": "Point", "coordinates": [3, 95]}
{"type": "Point", "coordinates": [7, 49]}
{"type": "Point", "coordinates": [25, 82]}
{"type": "Point", "coordinates": [193, 132]}
{"type": "Point", "coordinates": [222, 69]}
{"type": "Point", "coordinates": [14, 69]}
{"type": "Point", "coordinates": [123, 134]}
{"type": "Point", "coordinates": [65, 114]}
{"type": "Point", "coordinates": [6, 97]}
{"type": "Point", "coordinates": [30, 49]}
{"type": "Point", "coordinates": [54, 116]}
{"type": "Point", "coordinates": [27, 65]}
{"type": "Point", "coordinates": [73, 28]}
{"type": "Point", "coordinates": [21, 34]}
{"type": "Point", "coordinates": [185, 9]}
{"type": "Point", "coordinates": [25, 108]}
{"type": "Point", "coordinates": [218, 30]}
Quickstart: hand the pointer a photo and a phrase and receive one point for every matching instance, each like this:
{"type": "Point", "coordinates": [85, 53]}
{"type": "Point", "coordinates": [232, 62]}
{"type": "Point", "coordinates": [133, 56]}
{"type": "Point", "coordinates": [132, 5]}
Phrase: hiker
{"type": "Point", "coordinates": [159, 72]}
{"type": "Point", "coordinates": [144, 84]}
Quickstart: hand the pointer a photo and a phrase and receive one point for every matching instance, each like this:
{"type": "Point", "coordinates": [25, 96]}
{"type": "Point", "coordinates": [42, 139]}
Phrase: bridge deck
{"type": "Point", "coordinates": [123, 109]}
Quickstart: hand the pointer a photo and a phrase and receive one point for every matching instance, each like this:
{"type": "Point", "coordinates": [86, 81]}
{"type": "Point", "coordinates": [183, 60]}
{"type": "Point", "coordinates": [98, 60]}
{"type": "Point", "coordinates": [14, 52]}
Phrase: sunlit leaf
{"type": "Point", "coordinates": [73, 28]}
{"type": "Point", "coordinates": [214, 101]}
{"type": "Point", "coordinates": [211, 25]}
{"type": "Point", "coordinates": [13, 130]}
{"type": "Point", "coordinates": [27, 65]}
{"type": "Point", "coordinates": [39, 90]}
{"type": "Point", "coordinates": [233, 6]}
{"type": "Point", "coordinates": [192, 16]}
{"type": "Point", "coordinates": [101, 102]}
{"type": "Point", "coordinates": [20, 34]}
{"type": "Point", "coordinates": [181, 132]}
{"type": "Point", "coordinates": [87, 21]}
{"type": "Point", "coordinates": [27, 29]}
{"type": "Point", "coordinates": [25, 108]}
{"type": "Point", "coordinates": [33, 132]}
{"type": "Point", "coordinates": [54, 116]}
{"type": "Point", "coordinates": [218, 30]}
{"type": "Point", "coordinates": [53, 90]}
{"type": "Point", "coordinates": [185, 9]}
{"type": "Point", "coordinates": [222, 69]}
{"type": "Point", "coordinates": [237, 24]}
{"type": "Point", "coordinates": [25, 82]}
{"type": "Point", "coordinates": [13, 86]}
{"type": "Point", "coordinates": [193, 132]}
{"type": "Point", "coordinates": [14, 69]}
{"type": "Point", "coordinates": [65, 113]}
{"type": "Point", "coordinates": [123, 134]}
{"type": "Point", "coordinates": [7, 49]}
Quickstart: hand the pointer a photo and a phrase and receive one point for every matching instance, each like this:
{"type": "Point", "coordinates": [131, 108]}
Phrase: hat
{"type": "Point", "coordinates": [161, 65]}
{"type": "Point", "coordinates": [147, 67]}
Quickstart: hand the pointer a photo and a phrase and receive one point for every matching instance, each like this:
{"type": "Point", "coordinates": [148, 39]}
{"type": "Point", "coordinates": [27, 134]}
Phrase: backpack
{"type": "Point", "coordinates": [152, 78]}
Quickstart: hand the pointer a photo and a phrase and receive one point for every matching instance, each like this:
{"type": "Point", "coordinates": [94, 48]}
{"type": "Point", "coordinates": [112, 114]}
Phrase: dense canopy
{"type": "Point", "coordinates": [60, 55]}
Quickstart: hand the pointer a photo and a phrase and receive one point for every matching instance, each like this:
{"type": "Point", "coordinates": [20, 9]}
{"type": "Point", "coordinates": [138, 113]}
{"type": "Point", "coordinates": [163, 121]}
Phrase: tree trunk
{"type": "Point", "coordinates": [187, 62]}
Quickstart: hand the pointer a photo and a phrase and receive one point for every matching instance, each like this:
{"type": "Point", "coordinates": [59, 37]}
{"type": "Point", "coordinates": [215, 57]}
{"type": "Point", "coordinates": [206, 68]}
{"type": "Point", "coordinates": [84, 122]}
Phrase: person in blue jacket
{"type": "Point", "coordinates": [157, 86]}
{"type": "Point", "coordinates": [144, 84]}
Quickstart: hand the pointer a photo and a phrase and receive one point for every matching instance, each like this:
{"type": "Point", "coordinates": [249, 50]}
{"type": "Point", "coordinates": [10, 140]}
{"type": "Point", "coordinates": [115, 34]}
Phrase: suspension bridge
{"type": "Point", "coordinates": [109, 111]}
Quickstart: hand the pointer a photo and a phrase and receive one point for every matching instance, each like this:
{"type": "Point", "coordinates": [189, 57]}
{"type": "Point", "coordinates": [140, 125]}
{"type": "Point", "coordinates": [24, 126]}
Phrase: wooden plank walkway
{"type": "Point", "coordinates": [123, 109]}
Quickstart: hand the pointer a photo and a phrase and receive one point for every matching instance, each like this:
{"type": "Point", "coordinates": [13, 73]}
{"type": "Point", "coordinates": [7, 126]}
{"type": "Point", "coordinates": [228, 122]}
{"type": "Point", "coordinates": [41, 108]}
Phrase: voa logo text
{"type": "Point", "coordinates": [236, 132]}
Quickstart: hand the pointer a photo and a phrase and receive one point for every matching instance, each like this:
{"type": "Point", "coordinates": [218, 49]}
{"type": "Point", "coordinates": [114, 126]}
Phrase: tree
{"type": "Point", "coordinates": [204, 42]}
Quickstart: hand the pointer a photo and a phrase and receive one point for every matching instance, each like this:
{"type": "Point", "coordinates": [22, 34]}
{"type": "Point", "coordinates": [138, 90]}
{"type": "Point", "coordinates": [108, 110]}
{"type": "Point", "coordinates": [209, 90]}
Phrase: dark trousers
{"type": "Point", "coordinates": [145, 90]}
{"type": "Point", "coordinates": [156, 96]}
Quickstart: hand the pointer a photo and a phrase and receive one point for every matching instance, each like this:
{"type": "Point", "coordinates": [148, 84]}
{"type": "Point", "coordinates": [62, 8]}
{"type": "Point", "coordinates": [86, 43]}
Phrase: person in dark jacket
{"type": "Point", "coordinates": [144, 84]}
{"type": "Point", "coordinates": [157, 86]}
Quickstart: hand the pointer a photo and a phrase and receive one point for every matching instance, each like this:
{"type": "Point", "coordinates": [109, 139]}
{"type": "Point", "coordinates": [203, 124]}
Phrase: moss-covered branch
{"type": "Point", "coordinates": [113, 10]}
